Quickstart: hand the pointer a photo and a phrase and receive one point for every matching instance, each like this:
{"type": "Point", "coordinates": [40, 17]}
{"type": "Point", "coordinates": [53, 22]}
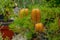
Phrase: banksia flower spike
{"type": "Point", "coordinates": [39, 27]}
{"type": "Point", "coordinates": [35, 15]}
{"type": "Point", "coordinates": [23, 13]}
{"type": "Point", "coordinates": [6, 32]}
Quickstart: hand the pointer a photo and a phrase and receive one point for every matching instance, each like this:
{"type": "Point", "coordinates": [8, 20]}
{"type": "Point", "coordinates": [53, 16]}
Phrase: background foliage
{"type": "Point", "coordinates": [50, 9]}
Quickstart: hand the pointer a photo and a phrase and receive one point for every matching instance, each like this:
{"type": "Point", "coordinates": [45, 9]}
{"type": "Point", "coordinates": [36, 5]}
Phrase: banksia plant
{"type": "Point", "coordinates": [6, 32]}
{"type": "Point", "coordinates": [23, 13]}
{"type": "Point", "coordinates": [35, 15]}
{"type": "Point", "coordinates": [39, 27]}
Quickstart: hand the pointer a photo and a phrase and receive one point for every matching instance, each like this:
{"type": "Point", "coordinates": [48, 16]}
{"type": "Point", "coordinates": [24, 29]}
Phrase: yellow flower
{"type": "Point", "coordinates": [23, 13]}
{"type": "Point", "coordinates": [39, 27]}
{"type": "Point", "coordinates": [35, 15]}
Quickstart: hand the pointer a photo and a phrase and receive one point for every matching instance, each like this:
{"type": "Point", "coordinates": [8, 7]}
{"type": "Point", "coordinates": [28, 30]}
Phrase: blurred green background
{"type": "Point", "coordinates": [50, 9]}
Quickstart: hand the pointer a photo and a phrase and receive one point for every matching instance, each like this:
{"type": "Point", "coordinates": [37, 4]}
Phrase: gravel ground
{"type": "Point", "coordinates": [19, 37]}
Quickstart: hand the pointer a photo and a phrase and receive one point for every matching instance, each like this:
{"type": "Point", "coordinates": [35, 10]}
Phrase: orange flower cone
{"type": "Point", "coordinates": [23, 13]}
{"type": "Point", "coordinates": [35, 15]}
{"type": "Point", "coordinates": [39, 27]}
